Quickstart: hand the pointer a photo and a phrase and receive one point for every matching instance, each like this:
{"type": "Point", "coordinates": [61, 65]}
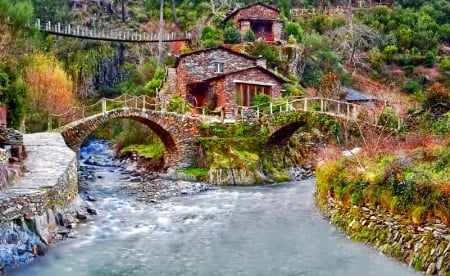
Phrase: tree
{"type": "Point", "coordinates": [375, 58]}
{"type": "Point", "coordinates": [50, 90]}
{"type": "Point", "coordinates": [231, 34]}
{"type": "Point", "coordinates": [353, 38]}
{"type": "Point", "coordinates": [390, 51]}
{"type": "Point", "coordinates": [404, 36]}
{"type": "Point", "coordinates": [13, 19]}
{"type": "Point", "coordinates": [430, 59]}
{"type": "Point", "coordinates": [436, 94]}
{"type": "Point", "coordinates": [52, 10]}
{"type": "Point", "coordinates": [294, 29]}
{"type": "Point", "coordinates": [250, 36]}
{"type": "Point", "coordinates": [329, 87]}
{"type": "Point", "coordinates": [211, 37]}
{"type": "Point", "coordinates": [216, 5]}
{"type": "Point", "coordinates": [161, 27]}
{"type": "Point", "coordinates": [12, 94]}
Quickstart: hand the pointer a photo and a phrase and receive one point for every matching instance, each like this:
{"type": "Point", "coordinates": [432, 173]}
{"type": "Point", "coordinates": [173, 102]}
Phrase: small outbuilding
{"type": "Point", "coordinates": [264, 20]}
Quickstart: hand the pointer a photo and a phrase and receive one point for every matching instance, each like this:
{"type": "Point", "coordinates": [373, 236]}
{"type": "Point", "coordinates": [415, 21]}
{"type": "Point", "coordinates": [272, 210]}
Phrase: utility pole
{"type": "Point", "coordinates": [160, 42]}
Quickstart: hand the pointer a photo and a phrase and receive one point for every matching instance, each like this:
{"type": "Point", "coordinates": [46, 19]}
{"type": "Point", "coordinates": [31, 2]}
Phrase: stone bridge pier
{"type": "Point", "coordinates": [179, 133]}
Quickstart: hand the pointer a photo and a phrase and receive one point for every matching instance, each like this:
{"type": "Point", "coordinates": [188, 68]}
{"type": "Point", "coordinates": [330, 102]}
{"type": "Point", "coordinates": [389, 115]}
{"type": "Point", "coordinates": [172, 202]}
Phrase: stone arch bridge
{"type": "Point", "coordinates": [180, 133]}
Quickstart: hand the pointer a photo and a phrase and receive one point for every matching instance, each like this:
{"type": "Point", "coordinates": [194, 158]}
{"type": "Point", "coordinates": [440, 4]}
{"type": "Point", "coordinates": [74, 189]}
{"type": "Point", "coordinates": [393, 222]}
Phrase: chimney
{"type": "Point", "coordinates": [260, 61]}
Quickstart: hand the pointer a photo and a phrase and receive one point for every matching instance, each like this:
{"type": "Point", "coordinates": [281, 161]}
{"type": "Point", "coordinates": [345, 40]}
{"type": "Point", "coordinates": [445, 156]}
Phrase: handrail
{"type": "Point", "coordinates": [322, 105]}
{"type": "Point", "coordinates": [107, 35]}
{"type": "Point", "coordinates": [243, 114]}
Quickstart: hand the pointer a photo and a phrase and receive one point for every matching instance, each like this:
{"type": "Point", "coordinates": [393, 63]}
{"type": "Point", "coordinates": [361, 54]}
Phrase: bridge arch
{"type": "Point", "coordinates": [178, 133]}
{"type": "Point", "coordinates": [283, 125]}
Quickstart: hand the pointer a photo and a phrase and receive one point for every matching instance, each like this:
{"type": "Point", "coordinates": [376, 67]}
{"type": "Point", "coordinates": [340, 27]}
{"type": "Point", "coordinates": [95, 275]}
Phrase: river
{"type": "Point", "coordinates": [266, 230]}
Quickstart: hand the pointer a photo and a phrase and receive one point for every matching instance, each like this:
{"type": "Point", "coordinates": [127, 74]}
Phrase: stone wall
{"type": "Point", "coordinates": [14, 139]}
{"type": "Point", "coordinates": [33, 210]}
{"type": "Point", "coordinates": [199, 66]}
{"type": "Point", "coordinates": [50, 179]}
{"type": "Point", "coordinates": [243, 17]}
{"type": "Point", "coordinates": [226, 87]}
{"type": "Point", "coordinates": [179, 133]}
{"type": "Point", "coordinates": [423, 247]}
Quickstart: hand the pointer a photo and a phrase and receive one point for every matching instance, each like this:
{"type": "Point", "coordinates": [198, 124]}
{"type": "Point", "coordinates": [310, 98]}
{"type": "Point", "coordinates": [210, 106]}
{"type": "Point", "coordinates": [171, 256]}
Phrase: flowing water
{"type": "Point", "coordinates": [268, 230]}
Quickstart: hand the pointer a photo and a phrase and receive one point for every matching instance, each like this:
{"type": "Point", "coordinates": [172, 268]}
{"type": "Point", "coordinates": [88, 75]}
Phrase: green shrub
{"type": "Point", "coordinates": [390, 51]}
{"type": "Point", "coordinates": [294, 29]}
{"type": "Point", "coordinates": [231, 34]}
{"type": "Point", "coordinates": [445, 64]}
{"type": "Point", "coordinates": [388, 118]}
{"type": "Point", "coordinates": [430, 59]}
{"type": "Point", "coordinates": [291, 90]}
{"type": "Point", "coordinates": [375, 58]}
{"type": "Point", "coordinates": [267, 51]}
{"type": "Point", "coordinates": [261, 99]}
{"type": "Point", "coordinates": [178, 104]}
{"type": "Point", "coordinates": [154, 83]}
{"type": "Point", "coordinates": [412, 87]}
{"type": "Point", "coordinates": [211, 37]}
{"type": "Point", "coordinates": [250, 36]}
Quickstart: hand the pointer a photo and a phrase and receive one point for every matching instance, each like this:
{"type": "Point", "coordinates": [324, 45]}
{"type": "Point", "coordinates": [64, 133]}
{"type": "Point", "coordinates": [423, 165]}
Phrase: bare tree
{"type": "Point", "coordinates": [352, 38]}
{"type": "Point", "coordinates": [216, 5]}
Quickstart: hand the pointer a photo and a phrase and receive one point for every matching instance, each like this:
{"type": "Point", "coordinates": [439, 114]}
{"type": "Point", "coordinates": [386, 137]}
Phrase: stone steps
{"type": "Point", "coordinates": [168, 88]}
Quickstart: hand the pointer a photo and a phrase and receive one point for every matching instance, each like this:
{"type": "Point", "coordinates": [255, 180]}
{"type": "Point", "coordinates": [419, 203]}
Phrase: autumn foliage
{"type": "Point", "coordinates": [50, 90]}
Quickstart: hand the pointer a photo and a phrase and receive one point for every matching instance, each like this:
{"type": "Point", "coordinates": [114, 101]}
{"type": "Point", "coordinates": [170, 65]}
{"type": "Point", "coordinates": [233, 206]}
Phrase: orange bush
{"type": "Point", "coordinates": [50, 90]}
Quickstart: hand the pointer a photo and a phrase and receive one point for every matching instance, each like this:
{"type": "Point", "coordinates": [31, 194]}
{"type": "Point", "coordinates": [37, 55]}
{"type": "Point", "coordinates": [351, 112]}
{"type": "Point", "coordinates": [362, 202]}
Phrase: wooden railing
{"type": "Point", "coordinates": [242, 114]}
{"type": "Point", "coordinates": [335, 108]}
{"type": "Point", "coordinates": [104, 105]}
{"type": "Point", "coordinates": [107, 35]}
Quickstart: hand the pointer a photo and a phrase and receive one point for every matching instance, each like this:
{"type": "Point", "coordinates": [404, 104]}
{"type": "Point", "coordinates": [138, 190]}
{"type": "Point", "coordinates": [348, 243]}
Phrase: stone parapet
{"type": "Point", "coordinates": [50, 179]}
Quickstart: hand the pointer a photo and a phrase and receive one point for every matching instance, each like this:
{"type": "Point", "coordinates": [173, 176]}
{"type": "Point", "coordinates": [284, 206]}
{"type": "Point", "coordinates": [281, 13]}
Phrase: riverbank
{"type": "Point", "coordinates": [40, 207]}
{"type": "Point", "coordinates": [424, 247]}
{"type": "Point", "coordinates": [139, 181]}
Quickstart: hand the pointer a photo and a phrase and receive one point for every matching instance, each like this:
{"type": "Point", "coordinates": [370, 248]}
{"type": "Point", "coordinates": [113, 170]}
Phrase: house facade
{"type": "Point", "coordinates": [223, 78]}
{"type": "Point", "coordinates": [262, 19]}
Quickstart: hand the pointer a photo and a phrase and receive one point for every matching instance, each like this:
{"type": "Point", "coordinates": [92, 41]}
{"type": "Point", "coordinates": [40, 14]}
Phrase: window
{"type": "Point", "coordinates": [219, 67]}
{"type": "Point", "coordinates": [245, 92]}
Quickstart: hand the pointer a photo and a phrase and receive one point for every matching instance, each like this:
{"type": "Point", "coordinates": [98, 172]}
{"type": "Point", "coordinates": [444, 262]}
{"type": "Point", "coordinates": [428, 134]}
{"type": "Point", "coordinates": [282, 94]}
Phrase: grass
{"type": "Point", "coordinates": [155, 151]}
{"type": "Point", "coordinates": [197, 172]}
{"type": "Point", "coordinates": [415, 183]}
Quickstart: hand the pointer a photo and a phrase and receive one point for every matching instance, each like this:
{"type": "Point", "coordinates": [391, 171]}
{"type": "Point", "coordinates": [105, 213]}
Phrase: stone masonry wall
{"type": "Point", "coordinates": [199, 66]}
{"type": "Point", "coordinates": [50, 179]}
{"type": "Point", "coordinates": [227, 98]}
{"type": "Point", "coordinates": [179, 133]}
{"type": "Point", "coordinates": [424, 247]}
{"type": "Point", "coordinates": [244, 16]}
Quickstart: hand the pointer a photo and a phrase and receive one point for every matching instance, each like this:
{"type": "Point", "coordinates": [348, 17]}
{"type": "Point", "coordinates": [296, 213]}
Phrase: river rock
{"type": "Point", "coordinates": [81, 216]}
{"type": "Point", "coordinates": [41, 227]}
{"type": "Point", "coordinates": [431, 269]}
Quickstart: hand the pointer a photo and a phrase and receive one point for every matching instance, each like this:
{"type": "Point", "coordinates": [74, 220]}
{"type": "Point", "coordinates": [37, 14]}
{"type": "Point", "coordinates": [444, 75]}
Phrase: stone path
{"type": "Point", "coordinates": [49, 165]}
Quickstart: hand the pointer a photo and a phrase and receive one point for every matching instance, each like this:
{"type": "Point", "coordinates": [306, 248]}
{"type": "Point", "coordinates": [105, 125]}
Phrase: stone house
{"type": "Point", "coordinates": [221, 78]}
{"type": "Point", "coordinates": [264, 20]}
